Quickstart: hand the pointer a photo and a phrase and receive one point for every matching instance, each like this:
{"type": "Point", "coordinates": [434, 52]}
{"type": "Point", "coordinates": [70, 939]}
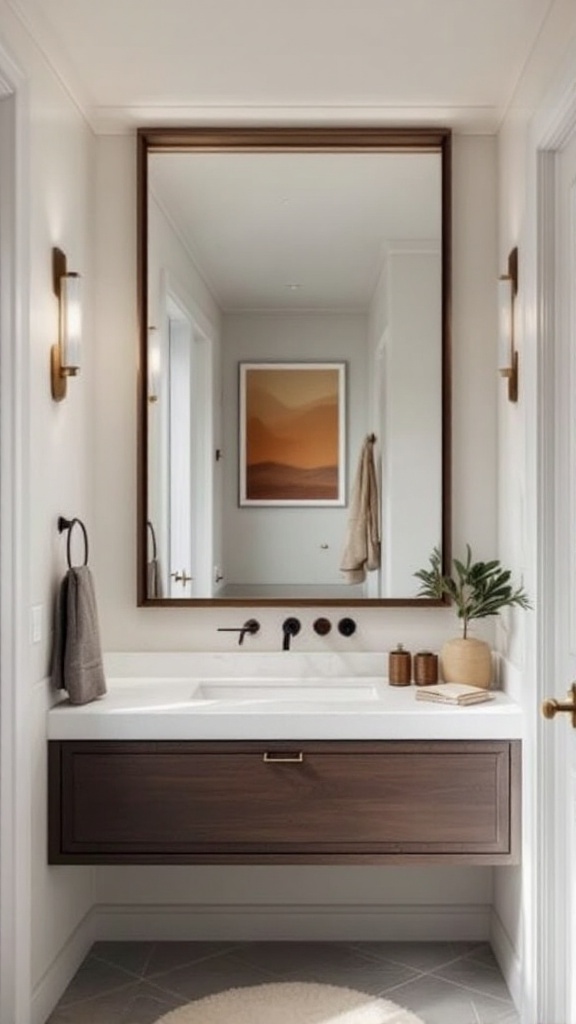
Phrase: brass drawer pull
{"type": "Point", "coordinates": [283, 758]}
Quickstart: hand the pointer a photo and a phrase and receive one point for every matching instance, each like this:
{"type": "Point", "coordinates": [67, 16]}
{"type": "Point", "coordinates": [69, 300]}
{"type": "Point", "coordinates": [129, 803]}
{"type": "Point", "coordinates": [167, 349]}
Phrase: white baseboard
{"type": "Point", "coordinates": [507, 956]}
{"type": "Point", "coordinates": [249, 922]}
{"type": "Point", "coordinates": [62, 969]}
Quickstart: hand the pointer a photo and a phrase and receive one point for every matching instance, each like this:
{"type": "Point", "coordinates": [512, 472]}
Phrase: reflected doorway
{"type": "Point", "coordinates": [189, 462]}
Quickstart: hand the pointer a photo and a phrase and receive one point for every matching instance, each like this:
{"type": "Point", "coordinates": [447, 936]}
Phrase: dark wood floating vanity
{"type": "Point", "coordinates": [282, 802]}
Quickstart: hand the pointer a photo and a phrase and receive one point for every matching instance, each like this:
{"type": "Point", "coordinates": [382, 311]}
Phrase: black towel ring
{"type": "Point", "coordinates": [69, 524]}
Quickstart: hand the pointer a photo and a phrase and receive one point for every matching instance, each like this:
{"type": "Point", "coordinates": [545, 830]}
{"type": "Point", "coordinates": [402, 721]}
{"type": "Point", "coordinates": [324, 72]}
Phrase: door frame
{"type": "Point", "coordinates": [546, 911]}
{"type": "Point", "coordinates": [15, 752]}
{"type": "Point", "coordinates": [175, 299]}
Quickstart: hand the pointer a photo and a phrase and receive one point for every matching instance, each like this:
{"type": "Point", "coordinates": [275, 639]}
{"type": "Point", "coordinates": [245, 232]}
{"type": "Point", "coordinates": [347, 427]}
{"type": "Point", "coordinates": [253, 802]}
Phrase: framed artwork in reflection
{"type": "Point", "coordinates": [292, 433]}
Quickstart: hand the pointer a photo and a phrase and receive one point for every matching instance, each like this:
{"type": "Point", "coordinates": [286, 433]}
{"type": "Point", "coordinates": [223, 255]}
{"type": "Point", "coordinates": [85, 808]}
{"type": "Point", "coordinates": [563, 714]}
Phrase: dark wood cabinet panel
{"type": "Point", "coordinates": [280, 802]}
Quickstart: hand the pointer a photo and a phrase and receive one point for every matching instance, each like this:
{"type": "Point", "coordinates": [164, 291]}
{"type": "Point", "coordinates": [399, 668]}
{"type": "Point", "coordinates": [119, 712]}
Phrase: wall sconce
{"type": "Point", "coordinates": [65, 355]}
{"type": "Point", "coordinates": [153, 365]}
{"type": "Point", "coordinates": [508, 356]}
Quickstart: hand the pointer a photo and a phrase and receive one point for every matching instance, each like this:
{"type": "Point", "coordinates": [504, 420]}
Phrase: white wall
{"type": "Point", "coordinates": [58, 195]}
{"type": "Point", "coordinates": [553, 58]}
{"type": "Point", "coordinates": [328, 902]}
{"type": "Point", "coordinates": [409, 362]}
{"type": "Point", "coordinates": [126, 627]}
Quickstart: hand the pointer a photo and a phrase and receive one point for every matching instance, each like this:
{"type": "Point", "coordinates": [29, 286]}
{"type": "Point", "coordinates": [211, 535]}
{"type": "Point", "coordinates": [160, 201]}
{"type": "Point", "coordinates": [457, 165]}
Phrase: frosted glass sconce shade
{"type": "Point", "coordinates": [507, 354]}
{"type": "Point", "coordinates": [65, 355]}
{"type": "Point", "coordinates": [153, 365]}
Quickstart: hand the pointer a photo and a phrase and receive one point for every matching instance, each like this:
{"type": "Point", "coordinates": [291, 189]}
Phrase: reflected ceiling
{"type": "Point", "coordinates": [297, 230]}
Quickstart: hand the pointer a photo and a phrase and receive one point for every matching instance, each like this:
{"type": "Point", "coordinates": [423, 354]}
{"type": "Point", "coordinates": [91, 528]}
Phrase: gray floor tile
{"type": "Point", "coordinates": [422, 956]}
{"type": "Point", "coordinates": [130, 956]}
{"type": "Point", "coordinates": [138, 1003]}
{"type": "Point", "coordinates": [484, 955]}
{"type": "Point", "coordinates": [147, 959]}
{"type": "Point", "coordinates": [209, 976]}
{"type": "Point", "coordinates": [93, 978]}
{"type": "Point", "coordinates": [476, 975]}
{"type": "Point", "coordinates": [138, 982]}
{"type": "Point", "coordinates": [331, 963]}
{"type": "Point", "coordinates": [148, 1005]}
{"type": "Point", "coordinates": [166, 956]}
{"type": "Point", "coordinates": [438, 1001]}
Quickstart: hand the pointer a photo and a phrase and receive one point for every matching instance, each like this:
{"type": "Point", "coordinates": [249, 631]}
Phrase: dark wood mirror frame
{"type": "Point", "coordinates": [278, 139]}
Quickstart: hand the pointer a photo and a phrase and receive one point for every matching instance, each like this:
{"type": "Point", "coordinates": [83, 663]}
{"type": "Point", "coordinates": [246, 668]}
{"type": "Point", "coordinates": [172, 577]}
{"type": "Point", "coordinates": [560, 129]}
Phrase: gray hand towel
{"type": "Point", "coordinates": [77, 662]}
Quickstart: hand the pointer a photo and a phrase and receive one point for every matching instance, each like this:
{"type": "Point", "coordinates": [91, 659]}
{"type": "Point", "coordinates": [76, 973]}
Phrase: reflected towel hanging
{"type": "Point", "coordinates": [362, 546]}
{"type": "Point", "coordinates": [153, 575]}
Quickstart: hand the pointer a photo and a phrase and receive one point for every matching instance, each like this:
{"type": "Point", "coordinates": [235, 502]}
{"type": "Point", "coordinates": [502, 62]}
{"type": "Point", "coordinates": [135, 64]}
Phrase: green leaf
{"type": "Point", "coordinates": [477, 589]}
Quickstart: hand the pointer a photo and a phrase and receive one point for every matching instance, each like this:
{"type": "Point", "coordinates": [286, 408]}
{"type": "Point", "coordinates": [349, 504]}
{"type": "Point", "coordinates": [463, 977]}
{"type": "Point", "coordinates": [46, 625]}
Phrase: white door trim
{"type": "Point", "coordinates": [545, 952]}
{"type": "Point", "coordinates": [15, 753]}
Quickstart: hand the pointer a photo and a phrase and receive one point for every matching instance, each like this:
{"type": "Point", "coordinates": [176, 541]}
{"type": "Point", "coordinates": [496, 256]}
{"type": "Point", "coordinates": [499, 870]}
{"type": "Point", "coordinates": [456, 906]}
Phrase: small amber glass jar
{"type": "Point", "coordinates": [425, 668]}
{"type": "Point", "coordinates": [399, 667]}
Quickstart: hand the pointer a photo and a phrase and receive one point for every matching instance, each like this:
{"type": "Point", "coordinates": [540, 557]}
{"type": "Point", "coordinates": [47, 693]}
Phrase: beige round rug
{"type": "Point", "coordinates": [291, 1003]}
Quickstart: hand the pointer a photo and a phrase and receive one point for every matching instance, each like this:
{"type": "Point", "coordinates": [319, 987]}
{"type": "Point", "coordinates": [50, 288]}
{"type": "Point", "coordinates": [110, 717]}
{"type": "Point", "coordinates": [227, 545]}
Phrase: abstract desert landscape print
{"type": "Point", "coordinates": [292, 433]}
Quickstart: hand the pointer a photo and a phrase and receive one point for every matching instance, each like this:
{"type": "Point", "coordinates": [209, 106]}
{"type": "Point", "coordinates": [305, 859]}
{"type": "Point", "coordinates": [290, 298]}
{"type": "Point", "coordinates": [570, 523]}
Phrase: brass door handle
{"type": "Point", "coordinates": [283, 758]}
{"type": "Point", "coordinates": [551, 707]}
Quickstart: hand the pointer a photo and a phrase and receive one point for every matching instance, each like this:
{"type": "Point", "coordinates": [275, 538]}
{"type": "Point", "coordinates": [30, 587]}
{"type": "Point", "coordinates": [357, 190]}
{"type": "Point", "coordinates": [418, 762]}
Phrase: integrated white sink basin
{"type": "Point", "coordinates": [287, 695]}
{"type": "Point", "coordinates": [313, 691]}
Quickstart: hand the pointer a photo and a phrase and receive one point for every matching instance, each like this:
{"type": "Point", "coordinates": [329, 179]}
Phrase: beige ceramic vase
{"type": "Point", "coordinates": [467, 661]}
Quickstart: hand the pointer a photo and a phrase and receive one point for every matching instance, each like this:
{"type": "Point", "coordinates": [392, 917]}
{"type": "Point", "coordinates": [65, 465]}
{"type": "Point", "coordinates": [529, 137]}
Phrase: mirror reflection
{"type": "Point", "coordinates": [294, 349]}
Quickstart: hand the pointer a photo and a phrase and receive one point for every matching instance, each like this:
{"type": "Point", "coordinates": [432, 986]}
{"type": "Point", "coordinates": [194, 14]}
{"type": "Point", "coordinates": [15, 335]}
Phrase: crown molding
{"type": "Point", "coordinates": [55, 57]}
{"type": "Point", "coordinates": [122, 120]}
{"type": "Point", "coordinates": [125, 119]}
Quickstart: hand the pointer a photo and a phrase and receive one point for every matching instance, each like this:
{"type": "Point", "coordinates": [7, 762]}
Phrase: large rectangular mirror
{"type": "Point", "coordinates": [294, 387]}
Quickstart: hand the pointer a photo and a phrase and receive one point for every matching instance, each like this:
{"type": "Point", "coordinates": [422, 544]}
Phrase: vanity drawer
{"type": "Point", "coordinates": [283, 802]}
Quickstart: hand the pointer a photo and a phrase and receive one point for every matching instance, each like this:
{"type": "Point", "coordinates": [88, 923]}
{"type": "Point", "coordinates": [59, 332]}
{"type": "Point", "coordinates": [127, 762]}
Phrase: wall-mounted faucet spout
{"type": "Point", "coordinates": [290, 627]}
{"type": "Point", "coordinates": [251, 626]}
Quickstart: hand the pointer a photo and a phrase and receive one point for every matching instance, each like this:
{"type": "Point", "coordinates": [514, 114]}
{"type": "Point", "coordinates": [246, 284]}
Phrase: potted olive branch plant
{"type": "Point", "coordinates": [478, 590]}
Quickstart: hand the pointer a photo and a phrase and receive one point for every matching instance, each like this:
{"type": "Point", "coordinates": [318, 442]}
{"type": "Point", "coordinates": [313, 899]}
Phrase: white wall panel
{"type": "Point", "coordinates": [58, 189]}
{"type": "Point", "coordinates": [126, 627]}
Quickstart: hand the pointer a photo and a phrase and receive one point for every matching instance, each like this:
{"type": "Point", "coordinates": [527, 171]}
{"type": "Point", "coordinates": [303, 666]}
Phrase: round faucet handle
{"type": "Point", "coordinates": [251, 626]}
{"type": "Point", "coordinates": [291, 626]}
{"type": "Point", "coordinates": [347, 627]}
{"type": "Point", "coordinates": [322, 627]}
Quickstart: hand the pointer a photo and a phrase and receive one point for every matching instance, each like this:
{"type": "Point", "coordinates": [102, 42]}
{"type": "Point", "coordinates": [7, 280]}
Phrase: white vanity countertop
{"type": "Point", "coordinates": [325, 696]}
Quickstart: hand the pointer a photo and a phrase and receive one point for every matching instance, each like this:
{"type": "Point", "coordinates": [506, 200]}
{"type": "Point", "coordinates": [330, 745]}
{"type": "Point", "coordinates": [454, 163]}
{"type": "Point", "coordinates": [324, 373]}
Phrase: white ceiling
{"type": "Point", "coordinates": [450, 62]}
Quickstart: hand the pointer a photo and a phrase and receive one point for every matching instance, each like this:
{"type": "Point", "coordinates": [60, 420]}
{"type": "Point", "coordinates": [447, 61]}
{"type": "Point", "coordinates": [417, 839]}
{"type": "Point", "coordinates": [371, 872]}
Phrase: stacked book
{"type": "Point", "coordinates": [453, 693]}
